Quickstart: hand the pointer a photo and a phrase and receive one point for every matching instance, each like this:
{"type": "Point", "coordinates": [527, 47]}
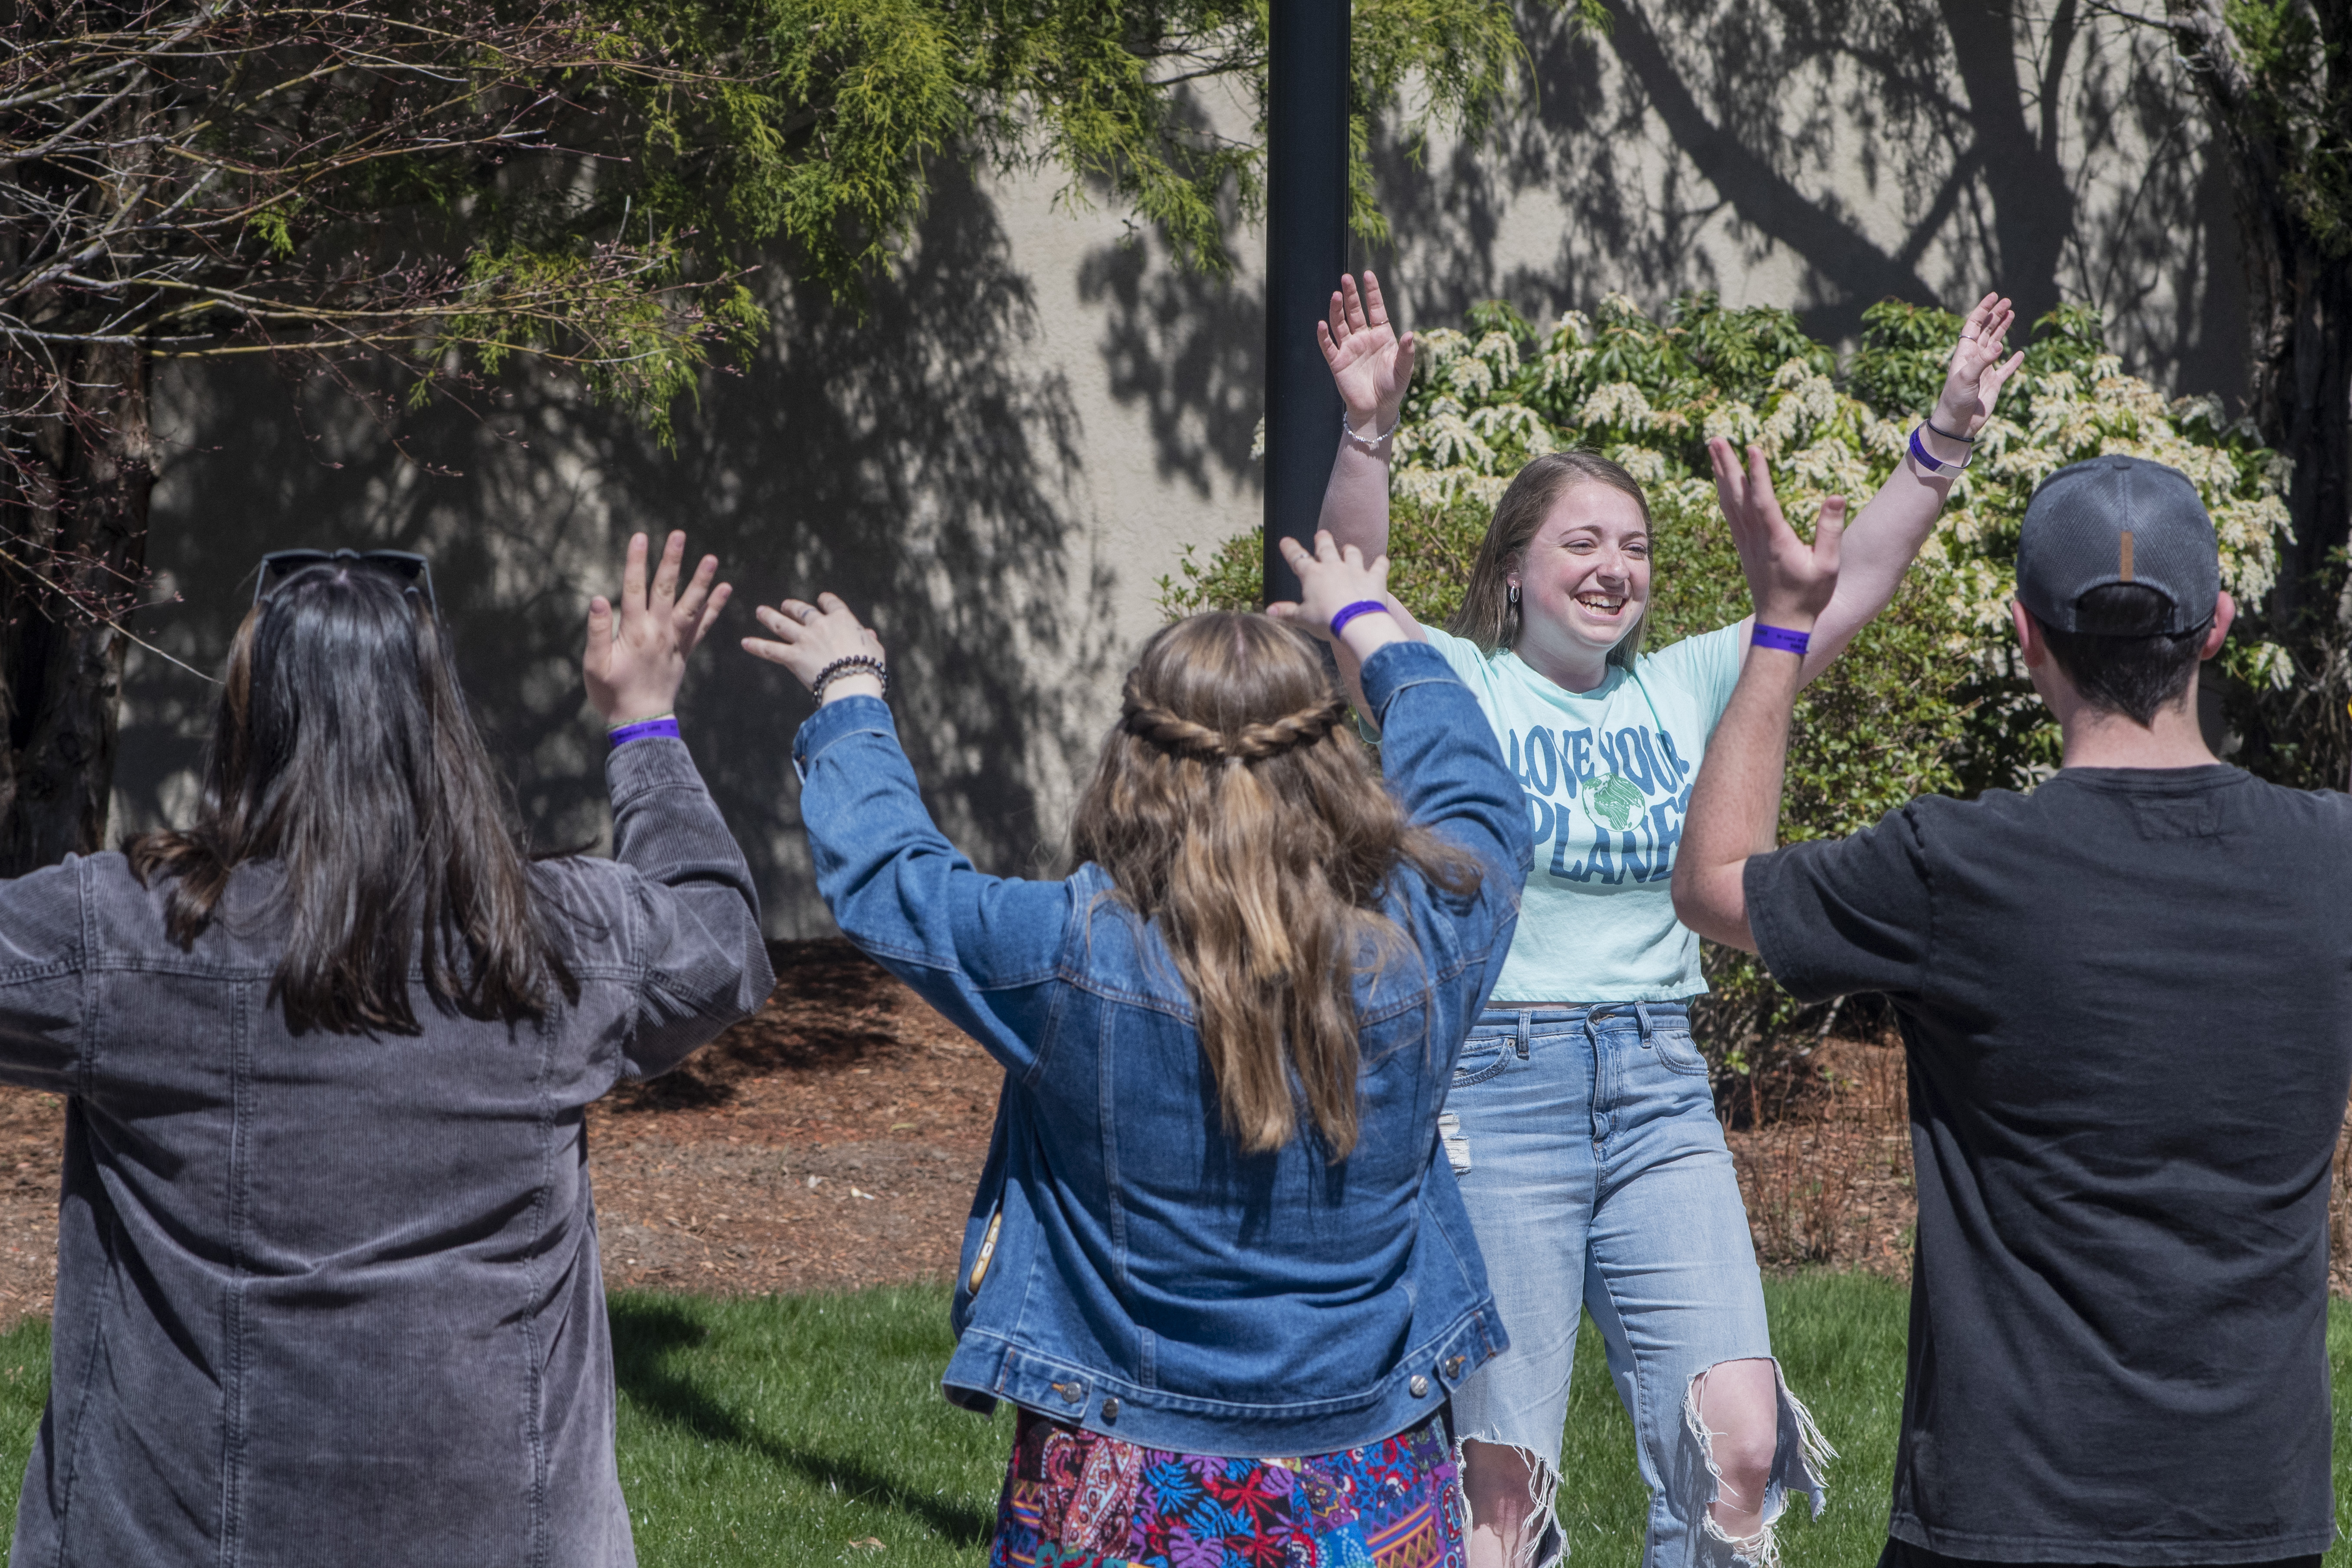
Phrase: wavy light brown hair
{"type": "Point", "coordinates": [342, 749]}
{"type": "Point", "coordinates": [1231, 806]}
{"type": "Point", "coordinates": [1488, 616]}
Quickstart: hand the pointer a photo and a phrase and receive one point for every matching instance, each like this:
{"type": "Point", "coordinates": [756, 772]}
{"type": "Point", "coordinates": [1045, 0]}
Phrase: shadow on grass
{"type": "Point", "coordinates": [647, 1334]}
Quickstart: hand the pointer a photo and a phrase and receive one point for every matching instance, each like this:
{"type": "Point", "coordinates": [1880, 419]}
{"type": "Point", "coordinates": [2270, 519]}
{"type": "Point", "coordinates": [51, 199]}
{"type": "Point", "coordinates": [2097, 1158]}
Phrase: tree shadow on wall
{"type": "Point", "coordinates": [906, 458]}
{"type": "Point", "coordinates": [1191, 348]}
{"type": "Point", "coordinates": [1920, 149]}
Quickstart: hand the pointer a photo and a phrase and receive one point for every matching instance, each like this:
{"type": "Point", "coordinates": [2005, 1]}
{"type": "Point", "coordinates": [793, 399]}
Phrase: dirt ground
{"type": "Point", "coordinates": [1828, 1183]}
{"type": "Point", "coordinates": [831, 1142]}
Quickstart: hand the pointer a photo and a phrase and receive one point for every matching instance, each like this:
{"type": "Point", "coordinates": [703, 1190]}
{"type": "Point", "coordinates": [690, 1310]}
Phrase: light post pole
{"type": "Point", "coordinates": [1306, 251]}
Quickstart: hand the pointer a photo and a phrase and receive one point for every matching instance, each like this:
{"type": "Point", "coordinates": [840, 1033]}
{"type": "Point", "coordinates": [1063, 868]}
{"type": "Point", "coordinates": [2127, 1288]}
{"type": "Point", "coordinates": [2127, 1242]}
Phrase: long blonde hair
{"type": "Point", "coordinates": [1488, 616]}
{"type": "Point", "coordinates": [1231, 806]}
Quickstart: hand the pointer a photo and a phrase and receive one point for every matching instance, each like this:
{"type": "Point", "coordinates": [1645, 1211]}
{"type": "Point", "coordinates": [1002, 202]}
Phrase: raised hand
{"type": "Point", "coordinates": [1789, 581]}
{"type": "Point", "coordinates": [1978, 373]}
{"type": "Point", "coordinates": [1329, 580]}
{"type": "Point", "coordinates": [811, 636]}
{"type": "Point", "coordinates": [1369, 362]}
{"type": "Point", "coordinates": [636, 658]}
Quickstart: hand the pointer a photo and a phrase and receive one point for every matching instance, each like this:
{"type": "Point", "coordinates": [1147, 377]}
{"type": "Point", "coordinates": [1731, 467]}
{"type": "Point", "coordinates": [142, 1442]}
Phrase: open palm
{"type": "Point", "coordinates": [1369, 362]}
{"type": "Point", "coordinates": [1790, 581]}
{"type": "Point", "coordinates": [1972, 385]}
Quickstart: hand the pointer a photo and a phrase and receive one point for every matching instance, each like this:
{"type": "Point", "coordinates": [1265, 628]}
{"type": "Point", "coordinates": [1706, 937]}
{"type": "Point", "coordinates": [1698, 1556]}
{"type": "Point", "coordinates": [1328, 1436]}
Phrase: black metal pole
{"type": "Point", "coordinates": [1306, 250]}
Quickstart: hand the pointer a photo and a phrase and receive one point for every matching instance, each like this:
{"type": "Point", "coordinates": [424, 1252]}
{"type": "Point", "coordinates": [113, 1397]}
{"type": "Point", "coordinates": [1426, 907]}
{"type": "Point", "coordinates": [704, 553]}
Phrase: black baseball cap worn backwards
{"type": "Point", "coordinates": [2118, 519]}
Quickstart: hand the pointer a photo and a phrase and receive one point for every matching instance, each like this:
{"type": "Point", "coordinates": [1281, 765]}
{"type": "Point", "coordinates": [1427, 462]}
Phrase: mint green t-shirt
{"type": "Point", "coordinates": [1608, 774]}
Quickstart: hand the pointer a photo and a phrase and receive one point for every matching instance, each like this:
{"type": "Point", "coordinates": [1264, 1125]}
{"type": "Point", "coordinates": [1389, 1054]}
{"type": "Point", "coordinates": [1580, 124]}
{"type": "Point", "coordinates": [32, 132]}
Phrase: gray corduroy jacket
{"type": "Point", "coordinates": [334, 1299]}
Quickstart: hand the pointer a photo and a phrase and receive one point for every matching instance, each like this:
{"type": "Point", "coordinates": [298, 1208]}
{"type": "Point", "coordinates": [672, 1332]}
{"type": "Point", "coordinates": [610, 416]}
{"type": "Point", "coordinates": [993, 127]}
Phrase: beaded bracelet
{"type": "Point", "coordinates": [845, 664]}
{"type": "Point", "coordinates": [1369, 442]}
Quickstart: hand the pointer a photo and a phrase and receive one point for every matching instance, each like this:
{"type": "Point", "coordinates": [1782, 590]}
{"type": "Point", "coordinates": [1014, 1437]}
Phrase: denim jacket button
{"type": "Point", "coordinates": [1071, 1393]}
{"type": "Point", "coordinates": [1454, 1366]}
{"type": "Point", "coordinates": [1418, 1387]}
{"type": "Point", "coordinates": [1110, 1411]}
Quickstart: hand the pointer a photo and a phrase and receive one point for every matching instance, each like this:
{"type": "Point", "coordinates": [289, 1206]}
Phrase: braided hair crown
{"type": "Point", "coordinates": [1172, 732]}
{"type": "Point", "coordinates": [1263, 870]}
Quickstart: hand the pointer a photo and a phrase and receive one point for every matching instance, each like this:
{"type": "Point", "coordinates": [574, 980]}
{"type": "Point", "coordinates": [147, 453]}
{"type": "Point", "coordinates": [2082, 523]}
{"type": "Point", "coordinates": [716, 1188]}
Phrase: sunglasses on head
{"type": "Point", "coordinates": [409, 566]}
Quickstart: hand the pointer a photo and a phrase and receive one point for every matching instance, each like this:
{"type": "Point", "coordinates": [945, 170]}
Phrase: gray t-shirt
{"type": "Point", "coordinates": [2127, 1000]}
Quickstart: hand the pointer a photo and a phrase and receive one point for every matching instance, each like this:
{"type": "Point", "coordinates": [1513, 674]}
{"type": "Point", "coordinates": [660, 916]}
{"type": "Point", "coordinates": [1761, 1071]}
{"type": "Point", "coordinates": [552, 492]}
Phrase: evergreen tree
{"type": "Point", "coordinates": [442, 185]}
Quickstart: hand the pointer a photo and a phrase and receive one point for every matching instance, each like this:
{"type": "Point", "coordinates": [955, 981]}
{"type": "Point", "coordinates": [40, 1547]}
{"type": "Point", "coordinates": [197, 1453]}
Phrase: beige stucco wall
{"type": "Point", "coordinates": [1823, 154]}
{"type": "Point", "coordinates": [1026, 422]}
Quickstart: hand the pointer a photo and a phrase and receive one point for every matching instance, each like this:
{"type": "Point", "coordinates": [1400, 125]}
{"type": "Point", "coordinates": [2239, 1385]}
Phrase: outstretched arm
{"type": "Point", "coordinates": [699, 960]}
{"type": "Point", "coordinates": [1886, 535]}
{"type": "Point", "coordinates": [970, 945]}
{"type": "Point", "coordinates": [1372, 367]}
{"type": "Point", "coordinates": [1735, 810]}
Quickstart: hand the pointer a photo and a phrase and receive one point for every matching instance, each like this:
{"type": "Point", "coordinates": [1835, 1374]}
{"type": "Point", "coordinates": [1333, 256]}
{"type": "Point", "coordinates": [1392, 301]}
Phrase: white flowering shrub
{"type": "Point", "coordinates": [1649, 395]}
{"type": "Point", "coordinates": [1928, 699]}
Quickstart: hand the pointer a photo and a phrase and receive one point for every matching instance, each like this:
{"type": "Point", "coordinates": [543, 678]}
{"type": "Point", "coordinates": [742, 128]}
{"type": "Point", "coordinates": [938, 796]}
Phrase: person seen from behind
{"type": "Point", "coordinates": [1214, 1225]}
{"type": "Point", "coordinates": [2127, 1001]}
{"type": "Point", "coordinates": [328, 1288]}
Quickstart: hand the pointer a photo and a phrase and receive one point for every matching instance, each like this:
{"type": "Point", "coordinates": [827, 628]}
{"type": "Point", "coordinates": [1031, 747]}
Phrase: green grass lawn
{"type": "Point", "coordinates": [788, 1431]}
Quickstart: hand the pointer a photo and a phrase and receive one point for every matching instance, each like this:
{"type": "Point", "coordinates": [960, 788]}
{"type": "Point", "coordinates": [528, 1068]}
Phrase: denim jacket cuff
{"type": "Point", "coordinates": [1398, 665]}
{"type": "Point", "coordinates": [657, 762]}
{"type": "Point", "coordinates": [848, 716]}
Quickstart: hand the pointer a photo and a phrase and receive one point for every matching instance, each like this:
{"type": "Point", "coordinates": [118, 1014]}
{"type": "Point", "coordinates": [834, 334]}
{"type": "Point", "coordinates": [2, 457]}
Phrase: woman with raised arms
{"type": "Point", "coordinates": [1214, 1226]}
{"type": "Point", "coordinates": [327, 1288]}
{"type": "Point", "coordinates": [1580, 1119]}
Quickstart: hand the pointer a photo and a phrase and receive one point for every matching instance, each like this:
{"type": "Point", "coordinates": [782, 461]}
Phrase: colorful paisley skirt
{"type": "Point", "coordinates": [1075, 1499]}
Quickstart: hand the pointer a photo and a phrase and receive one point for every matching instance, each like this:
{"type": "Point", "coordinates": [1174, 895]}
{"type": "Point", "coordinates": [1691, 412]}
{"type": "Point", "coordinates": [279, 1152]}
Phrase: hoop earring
{"type": "Point", "coordinates": [1515, 593]}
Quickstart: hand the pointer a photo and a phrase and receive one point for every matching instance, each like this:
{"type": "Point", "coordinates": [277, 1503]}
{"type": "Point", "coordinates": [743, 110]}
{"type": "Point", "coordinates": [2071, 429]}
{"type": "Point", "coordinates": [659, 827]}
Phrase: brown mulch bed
{"type": "Point", "coordinates": [833, 1141]}
{"type": "Point", "coordinates": [32, 1138]}
{"type": "Point", "coordinates": [1827, 1176]}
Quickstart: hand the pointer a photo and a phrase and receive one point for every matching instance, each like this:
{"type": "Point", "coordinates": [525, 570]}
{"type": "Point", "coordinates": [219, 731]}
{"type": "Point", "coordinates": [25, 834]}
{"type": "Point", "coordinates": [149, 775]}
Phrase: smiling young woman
{"type": "Point", "coordinates": [1563, 575]}
{"type": "Point", "coordinates": [1580, 1122]}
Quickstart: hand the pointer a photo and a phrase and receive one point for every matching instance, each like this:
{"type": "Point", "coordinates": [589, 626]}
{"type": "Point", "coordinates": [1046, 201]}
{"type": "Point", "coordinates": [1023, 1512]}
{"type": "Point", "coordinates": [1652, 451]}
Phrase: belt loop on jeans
{"type": "Point", "coordinates": [1526, 1027]}
{"type": "Point", "coordinates": [1641, 1011]}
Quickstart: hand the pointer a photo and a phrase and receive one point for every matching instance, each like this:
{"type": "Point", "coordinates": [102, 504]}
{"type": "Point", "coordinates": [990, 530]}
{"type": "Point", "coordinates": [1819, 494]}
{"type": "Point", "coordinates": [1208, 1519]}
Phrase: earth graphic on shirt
{"type": "Point", "coordinates": [1612, 801]}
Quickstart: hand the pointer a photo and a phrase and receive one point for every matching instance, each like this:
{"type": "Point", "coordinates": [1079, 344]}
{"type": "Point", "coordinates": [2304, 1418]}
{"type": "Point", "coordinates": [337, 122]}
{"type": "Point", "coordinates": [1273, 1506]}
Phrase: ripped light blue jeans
{"type": "Point", "coordinates": [1596, 1175]}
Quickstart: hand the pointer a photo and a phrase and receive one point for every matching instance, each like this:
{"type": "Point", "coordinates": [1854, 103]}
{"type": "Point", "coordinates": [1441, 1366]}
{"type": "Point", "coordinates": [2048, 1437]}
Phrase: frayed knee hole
{"type": "Point", "coordinates": [1508, 1489]}
{"type": "Point", "coordinates": [1739, 1429]}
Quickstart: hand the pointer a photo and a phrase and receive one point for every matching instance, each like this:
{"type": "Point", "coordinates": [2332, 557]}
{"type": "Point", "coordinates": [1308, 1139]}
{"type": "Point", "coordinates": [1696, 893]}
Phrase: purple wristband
{"type": "Point", "coordinates": [1934, 465]}
{"type": "Point", "coordinates": [643, 730]}
{"type": "Point", "coordinates": [1349, 612]}
{"type": "Point", "coordinates": [1778, 637]}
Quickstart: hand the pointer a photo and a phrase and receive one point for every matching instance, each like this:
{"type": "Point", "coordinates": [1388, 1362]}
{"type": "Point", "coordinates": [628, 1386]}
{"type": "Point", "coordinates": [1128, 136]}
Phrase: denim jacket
{"type": "Point", "coordinates": [328, 1299]}
{"type": "Point", "coordinates": [1126, 1267]}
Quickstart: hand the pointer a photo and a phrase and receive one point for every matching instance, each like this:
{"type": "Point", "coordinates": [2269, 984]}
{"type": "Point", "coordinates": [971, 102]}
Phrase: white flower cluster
{"type": "Point", "coordinates": [1475, 425]}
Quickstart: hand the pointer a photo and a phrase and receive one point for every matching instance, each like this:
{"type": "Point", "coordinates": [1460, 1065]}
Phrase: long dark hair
{"type": "Point", "coordinates": [1487, 616]}
{"type": "Point", "coordinates": [1231, 805]}
{"type": "Point", "coordinates": [342, 749]}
